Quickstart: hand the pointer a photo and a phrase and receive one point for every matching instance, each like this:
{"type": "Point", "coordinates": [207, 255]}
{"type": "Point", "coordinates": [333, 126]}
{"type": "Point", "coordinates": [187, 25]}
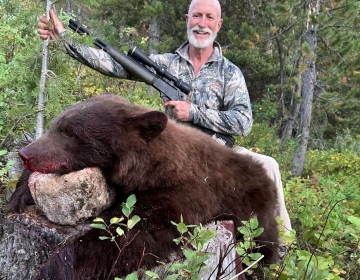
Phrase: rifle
{"type": "Point", "coordinates": [170, 87]}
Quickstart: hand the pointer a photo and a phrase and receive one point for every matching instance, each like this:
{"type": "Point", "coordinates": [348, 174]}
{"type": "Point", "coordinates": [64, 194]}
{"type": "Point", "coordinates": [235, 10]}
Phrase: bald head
{"type": "Point", "coordinates": [216, 3]}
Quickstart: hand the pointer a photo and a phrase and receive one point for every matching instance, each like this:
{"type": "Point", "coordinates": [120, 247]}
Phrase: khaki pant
{"type": "Point", "coordinates": [272, 168]}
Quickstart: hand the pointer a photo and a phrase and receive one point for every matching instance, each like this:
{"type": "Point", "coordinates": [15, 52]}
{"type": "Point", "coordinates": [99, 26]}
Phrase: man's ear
{"type": "Point", "coordinates": [219, 24]}
{"type": "Point", "coordinates": [148, 125]}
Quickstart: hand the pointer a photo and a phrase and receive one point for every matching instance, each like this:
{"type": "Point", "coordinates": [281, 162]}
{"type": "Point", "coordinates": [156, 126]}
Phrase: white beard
{"type": "Point", "coordinates": [203, 44]}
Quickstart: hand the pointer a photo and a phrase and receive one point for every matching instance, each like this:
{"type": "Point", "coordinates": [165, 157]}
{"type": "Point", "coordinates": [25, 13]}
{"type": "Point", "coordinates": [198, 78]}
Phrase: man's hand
{"type": "Point", "coordinates": [52, 27]}
{"type": "Point", "coordinates": [180, 110]}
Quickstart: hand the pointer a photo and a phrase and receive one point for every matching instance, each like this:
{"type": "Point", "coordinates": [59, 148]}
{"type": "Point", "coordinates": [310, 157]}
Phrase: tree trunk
{"type": "Point", "coordinates": [293, 114]}
{"type": "Point", "coordinates": [290, 123]}
{"type": "Point", "coordinates": [79, 12]}
{"type": "Point", "coordinates": [68, 8]}
{"type": "Point", "coordinates": [154, 34]}
{"type": "Point", "coordinates": [308, 86]}
{"type": "Point", "coordinates": [153, 41]}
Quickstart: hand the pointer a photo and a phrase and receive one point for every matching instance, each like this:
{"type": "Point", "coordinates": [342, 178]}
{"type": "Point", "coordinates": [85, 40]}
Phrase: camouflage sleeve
{"type": "Point", "coordinates": [94, 58]}
{"type": "Point", "coordinates": [236, 116]}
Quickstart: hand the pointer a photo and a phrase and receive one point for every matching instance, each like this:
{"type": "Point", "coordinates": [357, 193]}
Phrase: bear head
{"type": "Point", "coordinates": [94, 132]}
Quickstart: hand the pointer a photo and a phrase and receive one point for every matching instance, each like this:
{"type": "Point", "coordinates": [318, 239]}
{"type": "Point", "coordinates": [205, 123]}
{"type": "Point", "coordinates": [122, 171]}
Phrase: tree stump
{"type": "Point", "coordinates": [27, 240]}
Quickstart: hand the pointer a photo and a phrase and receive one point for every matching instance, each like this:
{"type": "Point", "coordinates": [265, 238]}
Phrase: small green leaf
{"type": "Point", "coordinates": [273, 266]}
{"type": "Point", "coordinates": [255, 256]}
{"type": "Point", "coordinates": [133, 221]}
{"type": "Point", "coordinates": [244, 230]}
{"type": "Point", "coordinates": [355, 221]}
{"type": "Point", "coordinates": [119, 231]}
{"type": "Point", "coordinates": [98, 226]}
{"type": "Point", "coordinates": [257, 232]}
{"type": "Point", "coordinates": [189, 254]}
{"type": "Point", "coordinates": [177, 240]}
{"type": "Point", "coordinates": [98, 220]}
{"type": "Point", "coordinates": [116, 220]}
{"type": "Point", "coordinates": [126, 211]}
{"type": "Point", "coordinates": [131, 200]}
{"type": "Point", "coordinates": [181, 227]}
{"type": "Point", "coordinates": [132, 276]}
{"type": "Point", "coordinates": [152, 274]}
{"type": "Point", "coordinates": [203, 237]}
{"type": "Point", "coordinates": [176, 266]}
{"type": "Point", "coordinates": [172, 277]}
{"type": "Point", "coordinates": [10, 163]}
{"type": "Point", "coordinates": [3, 152]}
{"type": "Point", "coordinates": [240, 251]}
{"type": "Point", "coordinates": [104, 237]}
{"type": "Point", "coordinates": [254, 223]}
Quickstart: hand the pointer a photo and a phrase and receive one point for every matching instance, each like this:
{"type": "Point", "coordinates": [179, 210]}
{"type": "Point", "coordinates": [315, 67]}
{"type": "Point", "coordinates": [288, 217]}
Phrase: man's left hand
{"type": "Point", "coordinates": [180, 110]}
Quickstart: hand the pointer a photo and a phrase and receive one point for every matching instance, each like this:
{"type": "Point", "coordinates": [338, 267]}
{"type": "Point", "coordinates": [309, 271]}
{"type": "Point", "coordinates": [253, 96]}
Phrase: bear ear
{"type": "Point", "coordinates": [149, 125]}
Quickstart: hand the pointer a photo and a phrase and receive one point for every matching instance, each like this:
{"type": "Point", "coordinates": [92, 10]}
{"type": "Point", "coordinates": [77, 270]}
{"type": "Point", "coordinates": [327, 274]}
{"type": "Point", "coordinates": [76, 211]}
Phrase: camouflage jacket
{"type": "Point", "coordinates": [219, 97]}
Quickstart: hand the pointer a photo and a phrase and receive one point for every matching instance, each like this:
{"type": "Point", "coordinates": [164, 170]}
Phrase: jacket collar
{"type": "Point", "coordinates": [183, 51]}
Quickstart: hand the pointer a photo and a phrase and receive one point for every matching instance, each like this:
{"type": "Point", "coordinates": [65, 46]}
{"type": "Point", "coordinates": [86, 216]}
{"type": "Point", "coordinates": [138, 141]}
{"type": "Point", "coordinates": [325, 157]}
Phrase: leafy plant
{"type": "Point", "coordinates": [131, 221]}
{"type": "Point", "coordinates": [250, 230]}
{"type": "Point", "coordinates": [127, 208]}
{"type": "Point", "coordinates": [4, 168]}
{"type": "Point", "coordinates": [192, 244]}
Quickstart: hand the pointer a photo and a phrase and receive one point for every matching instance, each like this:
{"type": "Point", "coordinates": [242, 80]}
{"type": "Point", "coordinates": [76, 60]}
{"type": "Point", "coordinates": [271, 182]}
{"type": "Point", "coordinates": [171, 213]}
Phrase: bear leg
{"type": "Point", "coordinates": [21, 196]}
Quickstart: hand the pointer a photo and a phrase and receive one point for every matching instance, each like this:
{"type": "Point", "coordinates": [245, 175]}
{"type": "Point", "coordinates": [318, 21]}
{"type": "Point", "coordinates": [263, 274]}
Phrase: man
{"type": "Point", "coordinates": [219, 102]}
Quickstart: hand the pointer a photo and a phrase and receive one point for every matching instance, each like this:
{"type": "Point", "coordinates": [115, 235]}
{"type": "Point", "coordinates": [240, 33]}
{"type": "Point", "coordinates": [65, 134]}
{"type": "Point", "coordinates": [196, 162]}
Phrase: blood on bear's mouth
{"type": "Point", "coordinates": [61, 167]}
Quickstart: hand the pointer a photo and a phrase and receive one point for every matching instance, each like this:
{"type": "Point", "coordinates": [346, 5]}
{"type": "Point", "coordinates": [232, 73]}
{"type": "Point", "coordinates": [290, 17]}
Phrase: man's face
{"type": "Point", "coordinates": [203, 23]}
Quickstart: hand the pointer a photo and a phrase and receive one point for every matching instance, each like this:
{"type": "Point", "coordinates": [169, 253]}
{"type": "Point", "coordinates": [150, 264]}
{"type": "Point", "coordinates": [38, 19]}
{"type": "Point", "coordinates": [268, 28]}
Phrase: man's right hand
{"type": "Point", "coordinates": [52, 28]}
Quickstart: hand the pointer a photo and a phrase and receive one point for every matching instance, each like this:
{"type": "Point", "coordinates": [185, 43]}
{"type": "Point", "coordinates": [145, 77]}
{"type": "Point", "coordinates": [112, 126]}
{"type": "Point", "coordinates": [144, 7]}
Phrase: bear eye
{"type": "Point", "coordinates": [68, 133]}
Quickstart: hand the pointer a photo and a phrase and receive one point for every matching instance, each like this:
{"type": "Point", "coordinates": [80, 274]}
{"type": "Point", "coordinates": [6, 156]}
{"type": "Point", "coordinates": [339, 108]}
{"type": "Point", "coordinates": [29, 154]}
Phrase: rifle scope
{"type": "Point", "coordinates": [161, 70]}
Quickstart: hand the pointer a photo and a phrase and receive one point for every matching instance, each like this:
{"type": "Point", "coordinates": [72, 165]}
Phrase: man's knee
{"type": "Point", "coordinates": [269, 163]}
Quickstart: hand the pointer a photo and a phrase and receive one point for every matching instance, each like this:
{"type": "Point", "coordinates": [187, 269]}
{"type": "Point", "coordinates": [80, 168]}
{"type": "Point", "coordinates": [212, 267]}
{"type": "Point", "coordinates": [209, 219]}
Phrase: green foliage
{"type": "Point", "coordinates": [340, 166]}
{"type": "Point", "coordinates": [326, 246]}
{"type": "Point", "coordinates": [4, 167]}
{"type": "Point", "coordinates": [324, 207]}
{"type": "Point", "coordinates": [127, 208]}
{"type": "Point", "coordinates": [245, 248]}
{"type": "Point", "coordinates": [194, 262]}
{"type": "Point", "coordinates": [346, 141]}
{"type": "Point", "coordinates": [325, 210]}
{"type": "Point", "coordinates": [265, 111]}
{"type": "Point", "coordinates": [191, 245]}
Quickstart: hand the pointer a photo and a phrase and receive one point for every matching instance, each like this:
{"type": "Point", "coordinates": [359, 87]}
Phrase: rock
{"type": "Point", "coordinates": [71, 198]}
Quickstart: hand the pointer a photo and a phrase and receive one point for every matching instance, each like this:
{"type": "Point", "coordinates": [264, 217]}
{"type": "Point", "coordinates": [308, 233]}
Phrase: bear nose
{"type": "Point", "coordinates": [23, 156]}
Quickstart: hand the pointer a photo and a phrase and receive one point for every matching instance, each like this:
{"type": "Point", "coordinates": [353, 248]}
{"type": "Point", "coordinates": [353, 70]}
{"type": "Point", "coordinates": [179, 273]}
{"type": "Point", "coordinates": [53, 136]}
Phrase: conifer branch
{"type": "Point", "coordinates": [332, 50]}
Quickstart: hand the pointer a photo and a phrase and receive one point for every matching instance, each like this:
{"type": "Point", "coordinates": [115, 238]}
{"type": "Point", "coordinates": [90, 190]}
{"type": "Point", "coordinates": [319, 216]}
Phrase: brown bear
{"type": "Point", "coordinates": [172, 169]}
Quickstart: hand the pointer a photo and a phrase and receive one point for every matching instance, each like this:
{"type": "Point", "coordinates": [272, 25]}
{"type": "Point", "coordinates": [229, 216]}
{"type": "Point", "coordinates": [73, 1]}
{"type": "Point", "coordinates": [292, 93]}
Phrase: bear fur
{"type": "Point", "coordinates": [172, 169]}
